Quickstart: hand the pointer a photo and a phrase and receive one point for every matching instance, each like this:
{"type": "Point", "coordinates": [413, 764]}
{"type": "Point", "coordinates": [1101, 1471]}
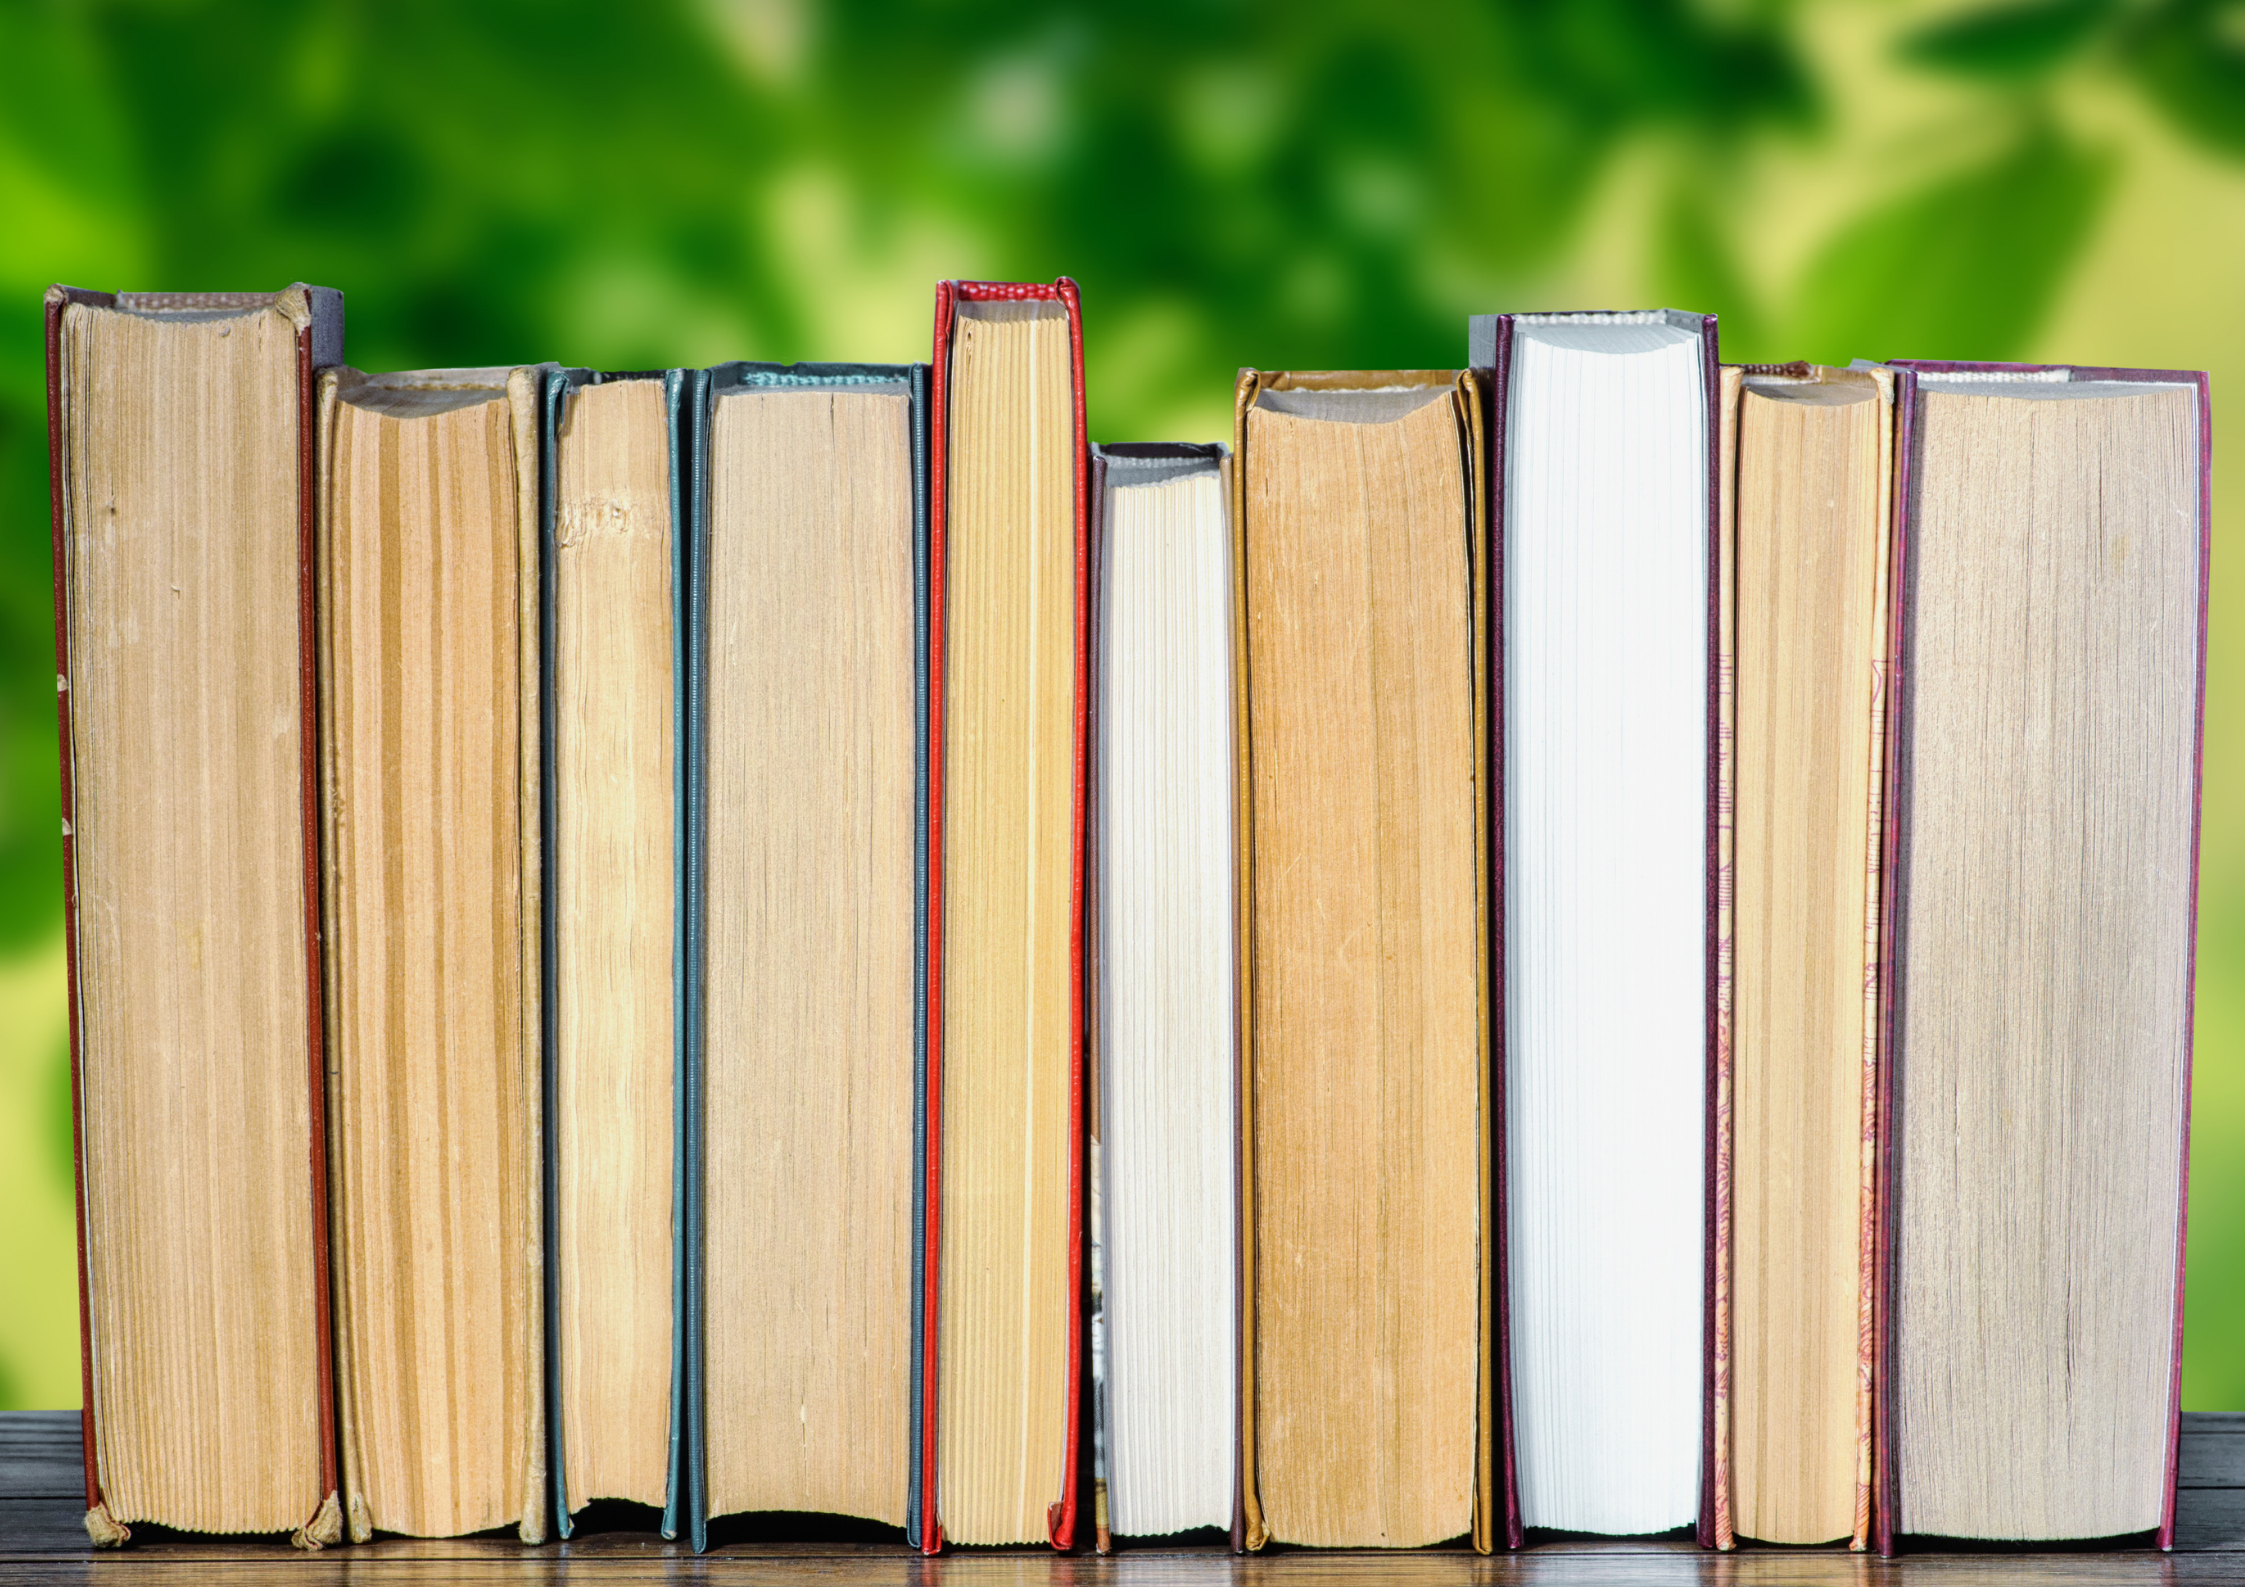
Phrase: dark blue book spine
{"type": "Point", "coordinates": [920, 618]}
{"type": "Point", "coordinates": [553, 396]}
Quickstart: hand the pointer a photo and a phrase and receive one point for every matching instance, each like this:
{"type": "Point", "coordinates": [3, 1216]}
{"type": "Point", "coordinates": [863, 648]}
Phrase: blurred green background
{"type": "Point", "coordinates": [1288, 185]}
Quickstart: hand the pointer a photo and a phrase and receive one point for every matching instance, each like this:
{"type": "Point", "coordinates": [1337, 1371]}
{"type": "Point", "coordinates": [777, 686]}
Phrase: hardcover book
{"type": "Point", "coordinates": [806, 817]}
{"type": "Point", "coordinates": [1163, 1026]}
{"type": "Point", "coordinates": [1806, 465]}
{"type": "Point", "coordinates": [429, 755]}
{"type": "Point", "coordinates": [181, 441]}
{"type": "Point", "coordinates": [1004, 1284]}
{"type": "Point", "coordinates": [1606, 518]}
{"type": "Point", "coordinates": [621, 1102]}
{"type": "Point", "coordinates": [1369, 1328]}
{"type": "Point", "coordinates": [2049, 638]}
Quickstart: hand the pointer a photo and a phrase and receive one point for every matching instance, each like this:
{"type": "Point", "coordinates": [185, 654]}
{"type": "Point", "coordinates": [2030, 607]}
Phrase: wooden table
{"type": "Point", "coordinates": [42, 1540]}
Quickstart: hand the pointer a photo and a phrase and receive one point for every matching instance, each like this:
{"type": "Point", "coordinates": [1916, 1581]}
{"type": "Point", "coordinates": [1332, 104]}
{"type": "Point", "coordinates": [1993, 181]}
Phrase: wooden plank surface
{"type": "Point", "coordinates": [43, 1542]}
{"type": "Point", "coordinates": [2212, 1460]}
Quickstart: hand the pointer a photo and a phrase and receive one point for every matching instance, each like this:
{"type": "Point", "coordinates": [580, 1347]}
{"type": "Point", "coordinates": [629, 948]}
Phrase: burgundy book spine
{"type": "Point", "coordinates": [1714, 1329]}
{"type": "Point", "coordinates": [1500, 383]}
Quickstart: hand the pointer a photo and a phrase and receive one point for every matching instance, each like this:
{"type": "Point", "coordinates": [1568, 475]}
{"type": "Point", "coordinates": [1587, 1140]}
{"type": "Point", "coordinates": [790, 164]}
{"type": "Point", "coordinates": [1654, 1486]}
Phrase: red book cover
{"type": "Point", "coordinates": [317, 313]}
{"type": "Point", "coordinates": [1889, 1520]}
{"type": "Point", "coordinates": [1061, 1515]}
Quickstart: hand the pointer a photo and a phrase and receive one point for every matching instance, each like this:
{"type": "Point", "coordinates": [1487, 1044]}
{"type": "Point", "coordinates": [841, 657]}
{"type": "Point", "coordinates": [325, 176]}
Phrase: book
{"type": "Point", "coordinates": [1367, 1126]}
{"type": "Point", "coordinates": [1807, 460]}
{"type": "Point", "coordinates": [1162, 981]}
{"type": "Point", "coordinates": [1606, 434]}
{"type": "Point", "coordinates": [2049, 634]}
{"type": "Point", "coordinates": [181, 438]}
{"type": "Point", "coordinates": [620, 1102]}
{"type": "Point", "coordinates": [808, 590]}
{"type": "Point", "coordinates": [1003, 1274]}
{"type": "Point", "coordinates": [429, 753]}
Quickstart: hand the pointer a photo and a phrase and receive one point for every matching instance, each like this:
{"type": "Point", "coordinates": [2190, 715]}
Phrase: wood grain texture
{"type": "Point", "coordinates": [180, 445]}
{"type": "Point", "coordinates": [1366, 1155]}
{"type": "Point", "coordinates": [2212, 1460]}
{"type": "Point", "coordinates": [808, 1050]}
{"type": "Point", "coordinates": [1009, 866]}
{"type": "Point", "coordinates": [613, 876]}
{"type": "Point", "coordinates": [42, 1544]}
{"type": "Point", "coordinates": [420, 551]}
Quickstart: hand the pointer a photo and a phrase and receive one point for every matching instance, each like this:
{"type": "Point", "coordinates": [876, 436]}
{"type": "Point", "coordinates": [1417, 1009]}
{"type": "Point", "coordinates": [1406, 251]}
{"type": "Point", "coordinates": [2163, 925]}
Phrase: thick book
{"type": "Point", "coordinates": [736, 609]}
{"type": "Point", "coordinates": [1605, 520]}
{"type": "Point", "coordinates": [181, 441]}
{"type": "Point", "coordinates": [428, 565]}
{"type": "Point", "coordinates": [1370, 1333]}
{"type": "Point", "coordinates": [621, 1104]}
{"type": "Point", "coordinates": [805, 646]}
{"type": "Point", "coordinates": [1003, 1275]}
{"type": "Point", "coordinates": [1803, 554]}
{"type": "Point", "coordinates": [1161, 980]}
{"type": "Point", "coordinates": [2050, 562]}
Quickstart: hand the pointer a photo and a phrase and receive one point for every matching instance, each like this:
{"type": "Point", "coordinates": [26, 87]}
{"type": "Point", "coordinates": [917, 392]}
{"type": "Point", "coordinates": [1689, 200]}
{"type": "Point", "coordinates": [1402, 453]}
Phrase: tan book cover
{"type": "Point", "coordinates": [1296, 1020]}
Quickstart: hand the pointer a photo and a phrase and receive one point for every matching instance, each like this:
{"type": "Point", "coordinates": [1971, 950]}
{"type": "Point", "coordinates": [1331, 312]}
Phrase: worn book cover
{"type": "Point", "coordinates": [1377, 398]}
{"type": "Point", "coordinates": [428, 624]}
{"type": "Point", "coordinates": [559, 389]}
{"type": "Point", "coordinates": [705, 644]}
{"type": "Point", "coordinates": [1809, 381]}
{"type": "Point", "coordinates": [2141, 673]}
{"type": "Point", "coordinates": [241, 484]}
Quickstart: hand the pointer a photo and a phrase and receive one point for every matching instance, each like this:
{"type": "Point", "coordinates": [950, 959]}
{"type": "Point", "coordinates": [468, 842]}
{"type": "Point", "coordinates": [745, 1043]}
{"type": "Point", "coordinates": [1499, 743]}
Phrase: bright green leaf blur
{"type": "Point", "coordinates": [1287, 185]}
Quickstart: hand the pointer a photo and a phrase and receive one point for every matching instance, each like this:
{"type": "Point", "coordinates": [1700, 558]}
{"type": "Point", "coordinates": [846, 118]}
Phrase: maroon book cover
{"type": "Point", "coordinates": [319, 342]}
{"type": "Point", "coordinates": [1889, 1521]}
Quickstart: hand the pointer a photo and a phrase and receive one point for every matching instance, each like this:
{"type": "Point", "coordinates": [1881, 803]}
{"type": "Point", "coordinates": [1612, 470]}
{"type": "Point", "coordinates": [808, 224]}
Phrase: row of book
{"type": "Point", "coordinates": [1597, 942]}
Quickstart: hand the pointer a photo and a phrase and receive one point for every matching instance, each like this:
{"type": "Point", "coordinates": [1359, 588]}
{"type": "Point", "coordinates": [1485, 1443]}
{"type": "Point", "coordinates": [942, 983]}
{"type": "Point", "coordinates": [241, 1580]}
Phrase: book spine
{"type": "Point", "coordinates": [2190, 974]}
{"type": "Point", "coordinates": [915, 1464]}
{"type": "Point", "coordinates": [931, 1087]}
{"type": "Point", "coordinates": [1061, 1518]}
{"type": "Point", "coordinates": [1885, 1481]}
{"type": "Point", "coordinates": [58, 299]}
{"type": "Point", "coordinates": [1095, 1081]}
{"type": "Point", "coordinates": [524, 387]}
{"type": "Point", "coordinates": [1717, 1456]}
{"type": "Point", "coordinates": [1867, 1228]}
{"type": "Point", "coordinates": [1714, 1319]}
{"type": "Point", "coordinates": [1500, 387]}
{"type": "Point", "coordinates": [688, 392]}
{"type": "Point", "coordinates": [553, 400]}
{"type": "Point", "coordinates": [1473, 439]}
{"type": "Point", "coordinates": [1248, 1531]}
{"type": "Point", "coordinates": [308, 693]}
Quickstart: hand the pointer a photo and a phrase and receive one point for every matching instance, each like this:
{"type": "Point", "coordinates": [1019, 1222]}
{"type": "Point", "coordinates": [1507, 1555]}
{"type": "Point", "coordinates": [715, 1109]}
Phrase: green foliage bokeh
{"type": "Point", "coordinates": [1287, 185]}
